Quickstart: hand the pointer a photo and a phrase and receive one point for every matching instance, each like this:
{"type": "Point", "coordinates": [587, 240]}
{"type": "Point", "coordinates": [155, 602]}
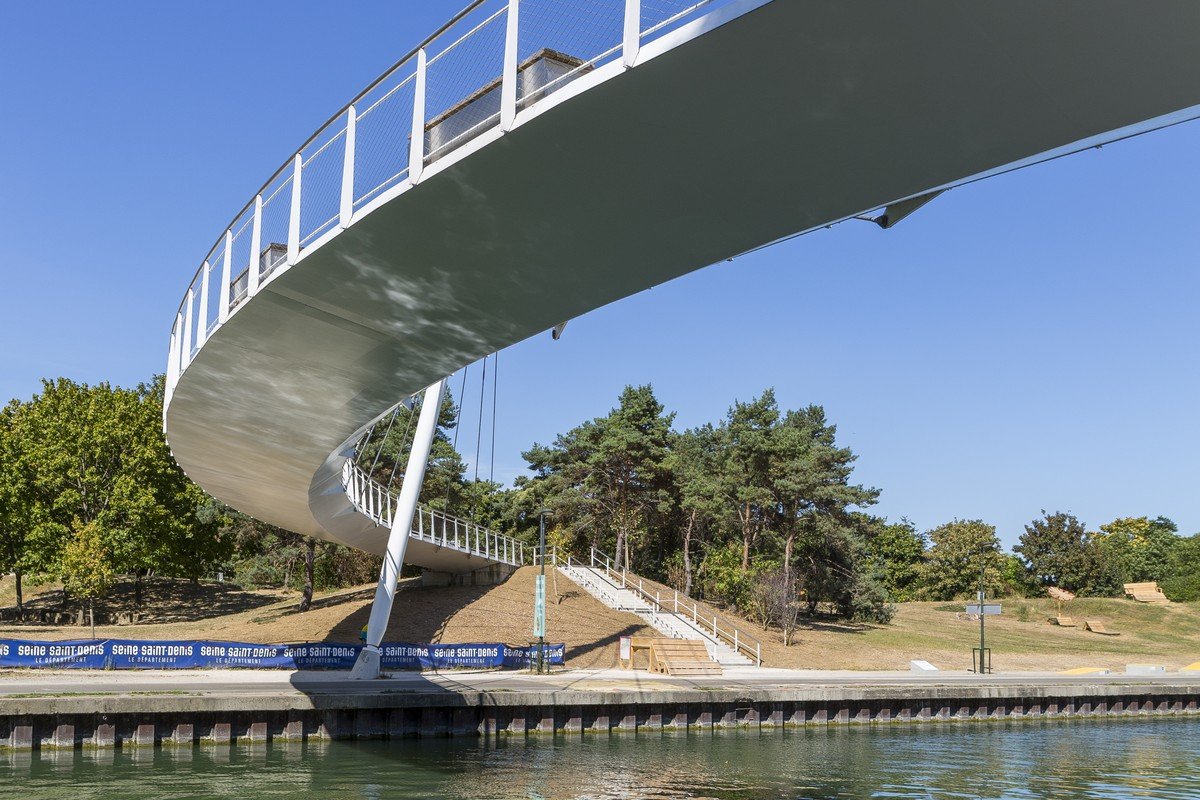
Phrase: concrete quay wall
{"type": "Point", "coordinates": [166, 720]}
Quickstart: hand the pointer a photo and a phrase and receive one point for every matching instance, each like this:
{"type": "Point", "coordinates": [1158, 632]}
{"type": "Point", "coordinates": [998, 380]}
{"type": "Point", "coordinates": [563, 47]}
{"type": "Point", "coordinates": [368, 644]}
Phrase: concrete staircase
{"type": "Point", "coordinates": [685, 623]}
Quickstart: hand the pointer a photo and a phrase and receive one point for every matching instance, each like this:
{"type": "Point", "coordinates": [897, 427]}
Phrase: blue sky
{"type": "Point", "coordinates": [1023, 343]}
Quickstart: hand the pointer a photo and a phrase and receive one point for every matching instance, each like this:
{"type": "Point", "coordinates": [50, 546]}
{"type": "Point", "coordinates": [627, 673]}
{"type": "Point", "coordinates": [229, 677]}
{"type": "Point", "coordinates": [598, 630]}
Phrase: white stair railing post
{"type": "Point", "coordinates": [508, 79]}
{"type": "Point", "coordinates": [367, 664]}
{"type": "Point", "coordinates": [226, 278]}
{"type": "Point", "coordinates": [416, 153]}
{"type": "Point", "coordinates": [293, 242]}
{"type": "Point", "coordinates": [254, 266]}
{"type": "Point", "coordinates": [346, 207]}
{"type": "Point", "coordinates": [633, 31]}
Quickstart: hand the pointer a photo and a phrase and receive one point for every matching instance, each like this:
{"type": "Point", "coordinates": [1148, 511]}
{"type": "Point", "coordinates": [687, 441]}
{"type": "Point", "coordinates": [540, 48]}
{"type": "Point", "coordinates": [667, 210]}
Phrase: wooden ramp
{"type": "Point", "coordinates": [681, 657]}
{"type": "Point", "coordinates": [1066, 622]}
{"type": "Point", "coordinates": [1147, 592]}
{"type": "Point", "coordinates": [1096, 626]}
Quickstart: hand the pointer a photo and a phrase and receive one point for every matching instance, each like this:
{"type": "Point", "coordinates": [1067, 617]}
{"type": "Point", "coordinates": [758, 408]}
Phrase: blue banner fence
{"type": "Point", "coordinates": [142, 654]}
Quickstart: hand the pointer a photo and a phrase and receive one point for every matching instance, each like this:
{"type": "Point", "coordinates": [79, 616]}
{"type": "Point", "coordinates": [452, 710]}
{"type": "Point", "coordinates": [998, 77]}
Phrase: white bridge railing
{"type": "Point", "coordinates": [489, 63]}
{"type": "Point", "coordinates": [376, 501]}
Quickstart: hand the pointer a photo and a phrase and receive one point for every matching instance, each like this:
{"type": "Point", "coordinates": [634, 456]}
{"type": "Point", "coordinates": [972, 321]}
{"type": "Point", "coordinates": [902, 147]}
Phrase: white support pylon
{"type": "Point", "coordinates": [367, 665]}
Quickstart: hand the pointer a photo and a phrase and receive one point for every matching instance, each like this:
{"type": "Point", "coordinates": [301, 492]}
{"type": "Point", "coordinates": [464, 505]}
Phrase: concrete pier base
{"type": "Point", "coordinates": [68, 721]}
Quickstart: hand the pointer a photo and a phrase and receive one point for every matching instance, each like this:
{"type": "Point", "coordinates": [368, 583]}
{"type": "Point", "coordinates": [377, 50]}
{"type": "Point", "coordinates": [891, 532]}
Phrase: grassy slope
{"type": "Point", "coordinates": [1020, 639]}
{"type": "Point", "coordinates": [178, 610]}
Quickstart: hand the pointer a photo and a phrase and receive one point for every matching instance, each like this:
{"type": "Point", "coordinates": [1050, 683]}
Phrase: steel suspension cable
{"type": "Point", "coordinates": [479, 427]}
{"type": "Point", "coordinates": [495, 380]}
{"type": "Point", "coordinates": [412, 412]}
{"type": "Point", "coordinates": [457, 423]}
{"type": "Point", "coordinates": [386, 433]}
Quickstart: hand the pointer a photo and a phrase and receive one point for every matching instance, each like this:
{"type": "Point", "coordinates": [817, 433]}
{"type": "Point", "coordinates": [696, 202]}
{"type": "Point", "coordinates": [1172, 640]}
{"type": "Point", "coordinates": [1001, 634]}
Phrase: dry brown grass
{"type": "Point", "coordinates": [1021, 639]}
{"type": "Point", "coordinates": [501, 613]}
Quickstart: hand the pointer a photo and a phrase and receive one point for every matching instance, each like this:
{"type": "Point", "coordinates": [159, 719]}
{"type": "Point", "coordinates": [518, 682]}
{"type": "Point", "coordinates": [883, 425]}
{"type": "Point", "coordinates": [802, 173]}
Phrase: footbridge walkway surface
{"type": "Point", "coordinates": [108, 709]}
{"type": "Point", "coordinates": [536, 159]}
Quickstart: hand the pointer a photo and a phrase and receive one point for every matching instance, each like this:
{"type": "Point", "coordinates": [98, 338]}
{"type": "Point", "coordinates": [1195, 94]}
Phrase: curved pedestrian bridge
{"type": "Point", "coordinates": [537, 159]}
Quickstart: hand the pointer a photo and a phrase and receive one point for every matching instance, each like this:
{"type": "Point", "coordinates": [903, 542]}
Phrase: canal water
{"type": "Point", "coordinates": [1149, 758]}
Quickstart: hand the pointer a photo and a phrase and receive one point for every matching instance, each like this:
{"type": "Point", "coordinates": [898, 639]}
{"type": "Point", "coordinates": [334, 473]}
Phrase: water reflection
{"type": "Point", "coordinates": [1154, 758]}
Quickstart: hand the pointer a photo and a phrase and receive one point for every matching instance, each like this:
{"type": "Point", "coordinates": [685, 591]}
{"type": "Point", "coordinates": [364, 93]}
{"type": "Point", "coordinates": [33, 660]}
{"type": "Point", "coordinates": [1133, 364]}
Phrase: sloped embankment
{"type": "Point", "coordinates": [501, 613]}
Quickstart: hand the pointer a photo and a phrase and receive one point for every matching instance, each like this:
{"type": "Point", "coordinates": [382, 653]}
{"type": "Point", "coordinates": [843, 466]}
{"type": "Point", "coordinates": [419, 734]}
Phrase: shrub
{"type": "Point", "coordinates": [1181, 588]}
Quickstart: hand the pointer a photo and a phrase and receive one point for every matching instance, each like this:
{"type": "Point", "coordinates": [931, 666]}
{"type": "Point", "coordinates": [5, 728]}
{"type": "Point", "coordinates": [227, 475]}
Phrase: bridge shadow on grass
{"type": "Point", "coordinates": [501, 614]}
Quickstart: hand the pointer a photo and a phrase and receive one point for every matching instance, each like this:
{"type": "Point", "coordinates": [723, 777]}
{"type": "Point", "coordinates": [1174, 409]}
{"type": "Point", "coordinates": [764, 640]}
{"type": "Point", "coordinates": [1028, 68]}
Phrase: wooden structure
{"type": "Point", "coordinates": [670, 656]}
{"type": "Point", "coordinates": [1147, 592]}
{"type": "Point", "coordinates": [1065, 622]}
{"type": "Point", "coordinates": [1096, 626]}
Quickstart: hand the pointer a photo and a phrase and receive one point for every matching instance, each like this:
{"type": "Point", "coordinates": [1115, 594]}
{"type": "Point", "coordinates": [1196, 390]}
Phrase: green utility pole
{"type": "Point", "coordinates": [539, 598]}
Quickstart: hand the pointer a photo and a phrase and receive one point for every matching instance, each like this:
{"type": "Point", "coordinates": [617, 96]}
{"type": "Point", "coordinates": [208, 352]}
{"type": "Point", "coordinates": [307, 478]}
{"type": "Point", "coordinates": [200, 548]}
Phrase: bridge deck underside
{"type": "Point", "coordinates": [785, 118]}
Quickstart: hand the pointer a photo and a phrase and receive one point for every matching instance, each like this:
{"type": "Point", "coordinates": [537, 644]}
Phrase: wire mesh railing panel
{"type": "Point", "coordinates": [321, 188]}
{"type": "Point", "coordinates": [276, 216]}
{"type": "Point", "coordinates": [192, 317]}
{"type": "Point", "coordinates": [212, 308]}
{"type": "Point", "coordinates": [661, 16]}
{"type": "Point", "coordinates": [560, 40]}
{"type": "Point", "coordinates": [239, 260]}
{"type": "Point", "coordinates": [462, 80]}
{"type": "Point", "coordinates": [383, 136]}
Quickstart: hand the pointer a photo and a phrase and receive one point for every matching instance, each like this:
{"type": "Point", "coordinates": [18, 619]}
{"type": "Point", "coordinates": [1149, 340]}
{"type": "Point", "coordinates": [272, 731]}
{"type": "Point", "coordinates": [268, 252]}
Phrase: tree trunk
{"type": "Point", "coordinates": [309, 557]}
{"type": "Point", "coordinates": [92, 615]}
{"type": "Point", "coordinates": [20, 597]}
{"type": "Point", "coordinates": [687, 554]}
{"type": "Point", "coordinates": [137, 589]}
{"type": "Point", "coordinates": [620, 550]}
{"type": "Point", "coordinates": [787, 557]}
{"type": "Point", "coordinates": [746, 533]}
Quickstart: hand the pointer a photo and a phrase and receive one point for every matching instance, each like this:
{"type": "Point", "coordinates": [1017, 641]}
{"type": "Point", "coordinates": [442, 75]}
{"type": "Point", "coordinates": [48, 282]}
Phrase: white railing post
{"type": "Point", "coordinates": [202, 325]}
{"type": "Point", "coordinates": [508, 85]}
{"type": "Point", "coordinates": [346, 210]}
{"type": "Point", "coordinates": [226, 277]}
{"type": "Point", "coordinates": [187, 331]}
{"type": "Point", "coordinates": [633, 31]}
{"type": "Point", "coordinates": [416, 153]}
{"type": "Point", "coordinates": [293, 243]}
{"type": "Point", "coordinates": [735, 640]}
{"type": "Point", "coordinates": [255, 250]}
{"type": "Point", "coordinates": [173, 355]}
